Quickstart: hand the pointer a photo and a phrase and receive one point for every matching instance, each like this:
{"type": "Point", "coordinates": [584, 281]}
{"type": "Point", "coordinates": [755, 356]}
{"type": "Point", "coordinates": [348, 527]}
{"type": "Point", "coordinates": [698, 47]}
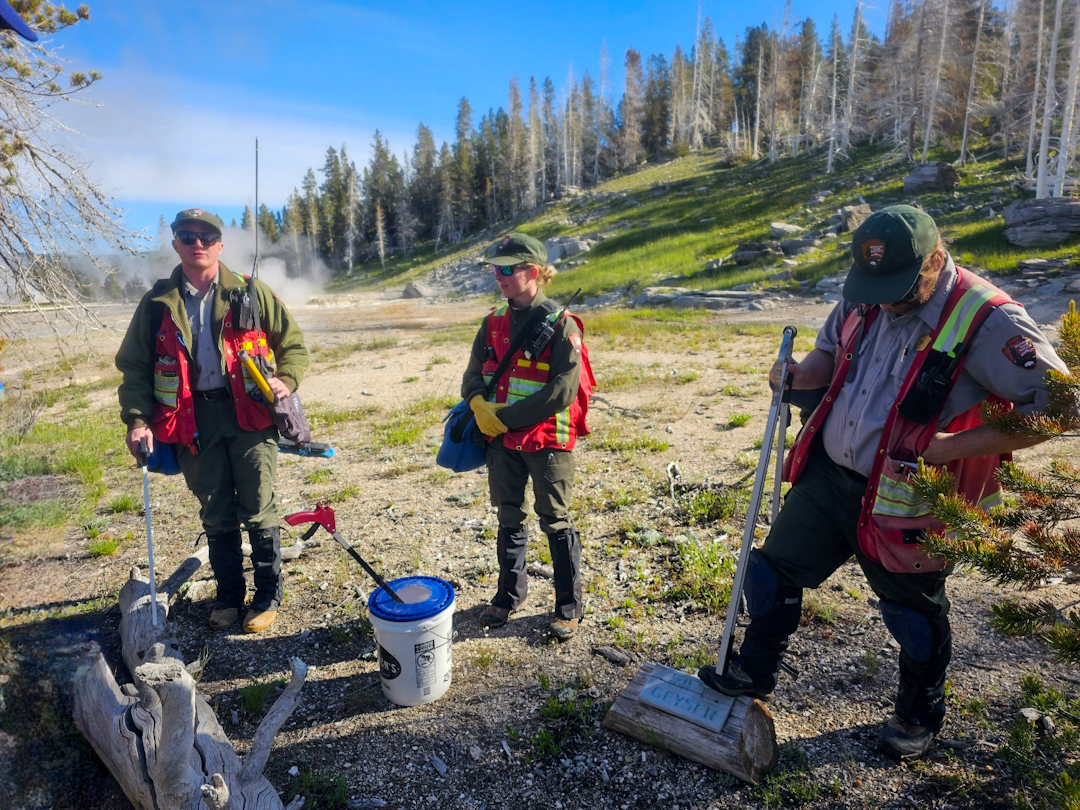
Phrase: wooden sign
{"type": "Point", "coordinates": [678, 713]}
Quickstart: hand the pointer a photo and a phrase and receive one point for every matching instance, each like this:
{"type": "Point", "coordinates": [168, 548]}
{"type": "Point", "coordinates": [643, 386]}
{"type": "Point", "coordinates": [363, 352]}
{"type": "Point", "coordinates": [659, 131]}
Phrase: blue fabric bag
{"type": "Point", "coordinates": [459, 451]}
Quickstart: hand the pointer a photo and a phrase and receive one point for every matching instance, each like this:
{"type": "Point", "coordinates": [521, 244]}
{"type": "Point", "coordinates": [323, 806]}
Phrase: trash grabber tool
{"type": "Point", "coordinates": [144, 459]}
{"type": "Point", "coordinates": [780, 403]}
{"type": "Point", "coordinates": [256, 375]}
{"type": "Point", "coordinates": [323, 515]}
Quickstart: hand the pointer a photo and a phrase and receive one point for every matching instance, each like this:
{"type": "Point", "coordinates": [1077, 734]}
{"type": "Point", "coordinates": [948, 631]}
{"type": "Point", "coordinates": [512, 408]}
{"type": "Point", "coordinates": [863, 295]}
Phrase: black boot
{"type": "Point", "coordinates": [227, 562]}
{"type": "Point", "coordinates": [266, 560]}
{"type": "Point", "coordinates": [512, 544]}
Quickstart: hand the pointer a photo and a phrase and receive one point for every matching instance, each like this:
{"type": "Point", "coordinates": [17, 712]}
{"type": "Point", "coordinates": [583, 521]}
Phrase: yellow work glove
{"type": "Point", "coordinates": [486, 418]}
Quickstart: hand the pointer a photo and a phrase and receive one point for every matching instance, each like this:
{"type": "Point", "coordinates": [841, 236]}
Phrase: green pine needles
{"type": "Point", "coordinates": [1031, 539]}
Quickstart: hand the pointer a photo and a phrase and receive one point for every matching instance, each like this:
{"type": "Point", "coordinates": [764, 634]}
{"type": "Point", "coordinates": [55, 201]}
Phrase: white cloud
{"type": "Point", "coordinates": [147, 143]}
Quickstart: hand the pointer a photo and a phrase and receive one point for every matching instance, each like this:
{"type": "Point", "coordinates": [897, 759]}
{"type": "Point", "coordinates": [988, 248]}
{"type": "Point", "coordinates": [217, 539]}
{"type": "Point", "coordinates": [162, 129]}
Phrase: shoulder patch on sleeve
{"type": "Point", "coordinates": [1021, 352]}
{"type": "Point", "coordinates": [575, 341]}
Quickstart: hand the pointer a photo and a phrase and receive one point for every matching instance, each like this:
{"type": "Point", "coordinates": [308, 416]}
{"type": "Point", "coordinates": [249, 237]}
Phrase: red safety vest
{"type": "Point", "coordinates": [173, 419]}
{"type": "Point", "coordinates": [525, 377]}
{"type": "Point", "coordinates": [893, 516]}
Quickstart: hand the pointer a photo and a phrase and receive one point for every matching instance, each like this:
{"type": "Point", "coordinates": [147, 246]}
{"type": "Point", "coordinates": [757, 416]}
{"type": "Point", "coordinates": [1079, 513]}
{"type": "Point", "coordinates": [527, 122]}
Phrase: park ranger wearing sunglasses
{"type": "Point", "coordinates": [184, 386]}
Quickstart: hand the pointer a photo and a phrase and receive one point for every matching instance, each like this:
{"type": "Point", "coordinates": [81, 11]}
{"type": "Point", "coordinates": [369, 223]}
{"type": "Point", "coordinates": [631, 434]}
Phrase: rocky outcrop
{"type": "Point", "coordinates": [751, 251]}
{"type": "Point", "coordinates": [1041, 222]}
{"type": "Point", "coordinates": [686, 297]}
{"type": "Point", "coordinates": [931, 177]}
{"type": "Point", "coordinates": [561, 248]}
{"type": "Point", "coordinates": [793, 247]}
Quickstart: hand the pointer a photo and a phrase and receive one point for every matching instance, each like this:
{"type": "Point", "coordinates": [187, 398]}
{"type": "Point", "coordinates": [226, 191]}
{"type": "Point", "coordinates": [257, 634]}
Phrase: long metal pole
{"type": "Point", "coordinates": [145, 461]}
{"type": "Point", "coordinates": [783, 357]}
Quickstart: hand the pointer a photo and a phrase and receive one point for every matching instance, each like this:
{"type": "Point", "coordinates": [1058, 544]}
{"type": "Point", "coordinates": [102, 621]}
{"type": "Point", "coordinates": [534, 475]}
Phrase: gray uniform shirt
{"type": "Point", "coordinates": [853, 429]}
{"type": "Point", "coordinates": [200, 309]}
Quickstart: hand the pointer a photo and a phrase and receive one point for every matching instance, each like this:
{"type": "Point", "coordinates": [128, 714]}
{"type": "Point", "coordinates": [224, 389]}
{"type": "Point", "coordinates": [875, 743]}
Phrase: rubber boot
{"type": "Point", "coordinates": [512, 543]}
{"type": "Point", "coordinates": [920, 698]}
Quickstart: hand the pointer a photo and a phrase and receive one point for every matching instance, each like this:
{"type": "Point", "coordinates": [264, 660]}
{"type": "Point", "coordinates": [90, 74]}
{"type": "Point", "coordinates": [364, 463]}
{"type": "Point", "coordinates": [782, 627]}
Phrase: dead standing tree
{"type": "Point", "coordinates": [50, 209]}
{"type": "Point", "coordinates": [158, 736]}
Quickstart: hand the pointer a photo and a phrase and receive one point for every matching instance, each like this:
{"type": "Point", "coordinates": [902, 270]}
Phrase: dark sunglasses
{"type": "Point", "coordinates": [912, 293]}
{"type": "Point", "coordinates": [191, 237]}
{"type": "Point", "coordinates": [508, 271]}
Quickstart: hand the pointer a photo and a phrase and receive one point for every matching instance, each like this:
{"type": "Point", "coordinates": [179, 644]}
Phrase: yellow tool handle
{"type": "Point", "coordinates": [256, 375]}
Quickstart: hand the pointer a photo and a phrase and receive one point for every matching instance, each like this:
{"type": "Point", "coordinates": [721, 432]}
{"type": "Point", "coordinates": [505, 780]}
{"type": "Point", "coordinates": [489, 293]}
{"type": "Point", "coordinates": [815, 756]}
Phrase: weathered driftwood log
{"type": "Point", "coordinates": [158, 736]}
{"type": "Point", "coordinates": [676, 712]}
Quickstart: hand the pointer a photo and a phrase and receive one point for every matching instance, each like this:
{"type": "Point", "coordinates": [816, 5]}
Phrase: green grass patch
{"type": "Point", "coordinates": [124, 504]}
{"type": "Point", "coordinates": [703, 572]}
{"type": "Point", "coordinates": [321, 790]}
{"type": "Point", "coordinates": [713, 506]}
{"type": "Point", "coordinates": [253, 696]}
{"type": "Point", "coordinates": [23, 517]}
{"type": "Point", "coordinates": [619, 438]}
{"type": "Point", "coordinates": [103, 546]}
{"type": "Point", "coordinates": [736, 420]}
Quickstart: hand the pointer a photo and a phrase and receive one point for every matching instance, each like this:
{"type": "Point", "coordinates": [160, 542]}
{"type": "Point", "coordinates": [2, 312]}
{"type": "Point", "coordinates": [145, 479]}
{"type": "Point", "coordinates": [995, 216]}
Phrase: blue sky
{"type": "Point", "coordinates": [188, 87]}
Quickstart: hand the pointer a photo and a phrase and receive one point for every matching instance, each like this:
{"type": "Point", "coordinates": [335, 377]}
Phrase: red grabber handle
{"type": "Point", "coordinates": [321, 515]}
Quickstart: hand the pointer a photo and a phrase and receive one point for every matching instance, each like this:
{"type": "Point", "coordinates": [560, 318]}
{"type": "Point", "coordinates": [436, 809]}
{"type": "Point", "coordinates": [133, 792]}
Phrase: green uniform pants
{"type": "Point", "coordinates": [552, 473]}
{"type": "Point", "coordinates": [232, 474]}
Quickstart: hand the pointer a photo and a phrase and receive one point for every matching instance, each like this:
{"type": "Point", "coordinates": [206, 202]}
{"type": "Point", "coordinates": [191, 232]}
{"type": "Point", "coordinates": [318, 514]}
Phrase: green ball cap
{"type": "Point", "coordinates": [197, 215]}
{"type": "Point", "coordinates": [515, 248]}
{"type": "Point", "coordinates": [888, 250]}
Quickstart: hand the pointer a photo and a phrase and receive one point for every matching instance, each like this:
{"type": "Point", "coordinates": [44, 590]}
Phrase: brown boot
{"type": "Point", "coordinates": [222, 618]}
{"type": "Point", "coordinates": [563, 629]}
{"type": "Point", "coordinates": [255, 621]}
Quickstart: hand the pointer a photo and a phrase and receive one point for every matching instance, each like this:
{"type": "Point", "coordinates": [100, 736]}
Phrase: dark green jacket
{"type": "Point", "coordinates": [136, 356]}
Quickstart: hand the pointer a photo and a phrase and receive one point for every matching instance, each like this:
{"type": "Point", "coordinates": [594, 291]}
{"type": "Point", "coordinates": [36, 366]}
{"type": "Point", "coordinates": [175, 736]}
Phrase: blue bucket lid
{"type": "Point", "coordinates": [439, 596]}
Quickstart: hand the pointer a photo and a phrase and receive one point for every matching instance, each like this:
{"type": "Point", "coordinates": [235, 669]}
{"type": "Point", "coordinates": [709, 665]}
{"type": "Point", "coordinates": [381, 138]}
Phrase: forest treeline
{"type": "Point", "coordinates": [963, 71]}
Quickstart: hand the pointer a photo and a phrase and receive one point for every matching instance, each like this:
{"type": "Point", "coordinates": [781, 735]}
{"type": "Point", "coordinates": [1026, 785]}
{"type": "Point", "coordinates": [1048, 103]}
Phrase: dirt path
{"type": "Point", "coordinates": [376, 358]}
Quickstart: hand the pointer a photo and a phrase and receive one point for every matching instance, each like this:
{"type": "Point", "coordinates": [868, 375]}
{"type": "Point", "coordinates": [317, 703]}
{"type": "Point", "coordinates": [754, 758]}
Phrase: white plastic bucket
{"type": "Point", "coordinates": [414, 638]}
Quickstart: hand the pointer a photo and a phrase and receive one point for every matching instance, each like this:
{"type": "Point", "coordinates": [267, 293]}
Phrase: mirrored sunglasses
{"type": "Point", "coordinates": [191, 237]}
{"type": "Point", "coordinates": [508, 271]}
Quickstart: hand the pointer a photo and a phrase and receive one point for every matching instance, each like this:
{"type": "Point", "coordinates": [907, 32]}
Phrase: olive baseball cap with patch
{"type": "Point", "coordinates": [888, 250]}
{"type": "Point", "coordinates": [197, 215]}
{"type": "Point", "coordinates": [516, 248]}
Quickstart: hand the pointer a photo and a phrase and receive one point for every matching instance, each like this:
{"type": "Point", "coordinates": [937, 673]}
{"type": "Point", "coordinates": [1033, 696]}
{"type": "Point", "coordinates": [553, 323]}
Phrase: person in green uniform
{"type": "Point", "coordinates": [184, 385]}
{"type": "Point", "coordinates": [531, 416]}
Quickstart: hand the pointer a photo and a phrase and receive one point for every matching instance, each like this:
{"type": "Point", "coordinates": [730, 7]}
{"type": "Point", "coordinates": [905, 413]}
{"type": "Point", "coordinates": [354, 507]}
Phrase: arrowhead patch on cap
{"type": "Point", "coordinates": [873, 252]}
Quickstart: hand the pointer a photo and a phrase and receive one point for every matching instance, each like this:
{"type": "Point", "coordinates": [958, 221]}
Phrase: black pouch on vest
{"type": "Point", "coordinates": [927, 396]}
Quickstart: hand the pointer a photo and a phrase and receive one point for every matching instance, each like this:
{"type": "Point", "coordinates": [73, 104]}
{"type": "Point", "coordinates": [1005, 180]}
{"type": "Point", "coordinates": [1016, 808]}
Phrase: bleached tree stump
{"type": "Point", "coordinates": [158, 736]}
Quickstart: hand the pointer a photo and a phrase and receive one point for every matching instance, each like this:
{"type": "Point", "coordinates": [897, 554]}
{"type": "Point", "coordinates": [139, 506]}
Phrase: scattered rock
{"type": "Point", "coordinates": [784, 230]}
{"type": "Point", "coordinates": [751, 251]}
{"type": "Point", "coordinates": [852, 216]}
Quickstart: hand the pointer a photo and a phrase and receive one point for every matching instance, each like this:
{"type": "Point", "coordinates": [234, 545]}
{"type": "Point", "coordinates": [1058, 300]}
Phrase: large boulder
{"type": "Point", "coordinates": [560, 248]}
{"type": "Point", "coordinates": [931, 177]}
{"type": "Point", "coordinates": [418, 289]}
{"type": "Point", "coordinates": [1041, 222]}
{"type": "Point", "coordinates": [852, 216]}
{"type": "Point", "coordinates": [793, 247]}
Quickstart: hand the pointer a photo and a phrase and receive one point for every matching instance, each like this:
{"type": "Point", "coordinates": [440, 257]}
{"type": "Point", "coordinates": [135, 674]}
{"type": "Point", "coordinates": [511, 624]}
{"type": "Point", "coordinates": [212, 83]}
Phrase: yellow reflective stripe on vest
{"type": "Point", "coordinates": [962, 318]}
{"type": "Point", "coordinates": [897, 499]}
{"type": "Point", "coordinates": [519, 389]}
{"type": "Point", "coordinates": [562, 426]}
{"type": "Point", "coordinates": [522, 363]}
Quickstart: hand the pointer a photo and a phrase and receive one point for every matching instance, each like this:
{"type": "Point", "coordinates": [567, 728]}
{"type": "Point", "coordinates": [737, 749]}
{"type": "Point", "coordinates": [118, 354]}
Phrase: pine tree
{"type": "Point", "coordinates": [1036, 539]}
{"type": "Point", "coordinates": [247, 220]}
{"type": "Point", "coordinates": [631, 113]}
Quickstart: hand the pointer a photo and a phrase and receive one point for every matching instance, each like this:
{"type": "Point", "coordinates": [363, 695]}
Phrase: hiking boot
{"type": "Point", "coordinates": [903, 741]}
{"type": "Point", "coordinates": [255, 621]}
{"type": "Point", "coordinates": [494, 616]}
{"type": "Point", "coordinates": [563, 629]}
{"type": "Point", "coordinates": [222, 618]}
{"type": "Point", "coordinates": [733, 683]}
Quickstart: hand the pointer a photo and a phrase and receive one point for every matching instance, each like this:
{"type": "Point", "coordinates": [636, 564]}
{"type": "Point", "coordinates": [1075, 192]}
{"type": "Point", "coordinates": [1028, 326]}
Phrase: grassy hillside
{"type": "Point", "coordinates": [668, 220]}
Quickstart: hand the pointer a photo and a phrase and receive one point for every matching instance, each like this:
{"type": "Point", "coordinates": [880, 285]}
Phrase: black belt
{"type": "Point", "coordinates": [212, 394]}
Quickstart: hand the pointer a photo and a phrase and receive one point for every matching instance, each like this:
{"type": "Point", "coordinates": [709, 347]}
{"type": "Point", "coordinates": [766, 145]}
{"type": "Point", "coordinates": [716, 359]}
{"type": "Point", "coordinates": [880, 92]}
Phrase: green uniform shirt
{"type": "Point", "coordinates": [136, 356]}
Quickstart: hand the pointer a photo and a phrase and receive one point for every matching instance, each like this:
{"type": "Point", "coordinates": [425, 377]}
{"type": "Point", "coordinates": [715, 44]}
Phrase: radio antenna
{"type": "Point", "coordinates": [255, 213]}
